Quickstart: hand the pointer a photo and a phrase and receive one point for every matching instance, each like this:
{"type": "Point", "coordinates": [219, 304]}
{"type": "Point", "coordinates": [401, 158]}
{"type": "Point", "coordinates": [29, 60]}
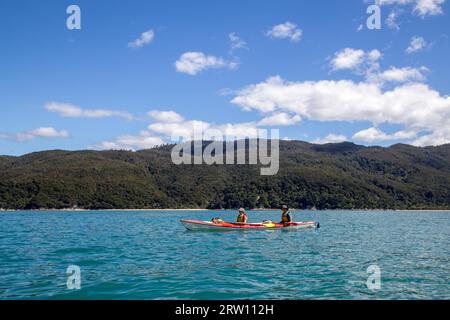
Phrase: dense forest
{"type": "Point", "coordinates": [332, 176]}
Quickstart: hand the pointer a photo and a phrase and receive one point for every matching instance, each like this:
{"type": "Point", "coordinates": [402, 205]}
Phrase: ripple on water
{"type": "Point", "coordinates": [149, 255]}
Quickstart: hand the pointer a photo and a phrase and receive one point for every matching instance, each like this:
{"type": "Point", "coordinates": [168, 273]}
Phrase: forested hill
{"type": "Point", "coordinates": [330, 176]}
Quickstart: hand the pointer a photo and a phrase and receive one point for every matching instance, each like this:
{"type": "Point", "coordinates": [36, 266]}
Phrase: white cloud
{"type": "Point", "coordinates": [356, 60]}
{"type": "Point", "coordinates": [414, 105]}
{"type": "Point", "coordinates": [71, 111]}
{"type": "Point", "coordinates": [159, 133]}
{"type": "Point", "coordinates": [417, 44]}
{"type": "Point", "coordinates": [192, 128]}
{"type": "Point", "coordinates": [422, 8]}
{"type": "Point", "coordinates": [181, 129]}
{"type": "Point", "coordinates": [166, 116]}
{"type": "Point", "coordinates": [406, 74]}
{"type": "Point", "coordinates": [236, 42]}
{"type": "Point", "coordinates": [280, 119]}
{"type": "Point", "coordinates": [195, 62]}
{"type": "Point", "coordinates": [145, 38]}
{"type": "Point", "coordinates": [367, 63]}
{"type": "Point", "coordinates": [376, 135]}
{"type": "Point", "coordinates": [347, 59]}
{"type": "Point", "coordinates": [391, 21]}
{"type": "Point", "coordinates": [238, 130]}
{"type": "Point", "coordinates": [428, 7]}
{"type": "Point", "coordinates": [169, 126]}
{"type": "Point", "coordinates": [437, 137]}
{"type": "Point", "coordinates": [331, 138]}
{"type": "Point", "coordinates": [49, 132]}
{"type": "Point", "coordinates": [287, 30]}
{"type": "Point", "coordinates": [130, 142]}
{"type": "Point", "coordinates": [374, 55]}
{"type": "Point", "coordinates": [42, 132]}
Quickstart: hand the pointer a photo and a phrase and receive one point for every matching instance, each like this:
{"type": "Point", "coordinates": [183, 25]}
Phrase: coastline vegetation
{"type": "Point", "coordinates": [332, 176]}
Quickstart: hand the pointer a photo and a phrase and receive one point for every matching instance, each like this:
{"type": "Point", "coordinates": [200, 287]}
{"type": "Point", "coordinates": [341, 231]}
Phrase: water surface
{"type": "Point", "coordinates": [149, 255]}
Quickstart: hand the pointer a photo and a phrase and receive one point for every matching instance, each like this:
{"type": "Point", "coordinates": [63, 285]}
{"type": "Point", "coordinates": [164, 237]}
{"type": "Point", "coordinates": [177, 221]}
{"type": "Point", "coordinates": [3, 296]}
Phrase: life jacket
{"type": "Point", "coordinates": [242, 218]}
{"type": "Point", "coordinates": [286, 217]}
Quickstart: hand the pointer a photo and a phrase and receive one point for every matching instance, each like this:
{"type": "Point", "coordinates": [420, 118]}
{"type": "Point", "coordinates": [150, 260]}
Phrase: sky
{"type": "Point", "coordinates": [138, 73]}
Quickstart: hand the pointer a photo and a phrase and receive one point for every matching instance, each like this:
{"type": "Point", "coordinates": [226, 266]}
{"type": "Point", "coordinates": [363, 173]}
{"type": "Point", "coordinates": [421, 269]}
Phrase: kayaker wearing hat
{"type": "Point", "coordinates": [285, 215]}
{"type": "Point", "coordinates": [242, 217]}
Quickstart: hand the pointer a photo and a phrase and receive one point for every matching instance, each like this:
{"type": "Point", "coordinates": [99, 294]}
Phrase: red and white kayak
{"type": "Point", "coordinates": [195, 225]}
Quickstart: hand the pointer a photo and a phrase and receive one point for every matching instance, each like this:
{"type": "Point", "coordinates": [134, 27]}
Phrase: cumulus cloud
{"type": "Point", "coordinates": [347, 59]}
{"type": "Point", "coordinates": [414, 105]}
{"type": "Point", "coordinates": [422, 8]}
{"type": "Point", "coordinates": [169, 127]}
{"type": "Point", "coordinates": [406, 74]}
{"type": "Point", "coordinates": [159, 133]}
{"type": "Point", "coordinates": [356, 60]}
{"type": "Point", "coordinates": [180, 129]}
{"type": "Point", "coordinates": [144, 140]}
{"type": "Point", "coordinates": [145, 38]}
{"type": "Point", "coordinates": [367, 64]}
{"type": "Point", "coordinates": [193, 128]}
{"type": "Point", "coordinates": [280, 119]}
{"type": "Point", "coordinates": [195, 62]}
{"type": "Point", "coordinates": [287, 30]}
{"type": "Point", "coordinates": [417, 44]}
{"type": "Point", "coordinates": [42, 132]}
{"type": "Point", "coordinates": [428, 7]}
{"type": "Point", "coordinates": [376, 135]}
{"type": "Point", "coordinates": [166, 116]}
{"type": "Point", "coordinates": [238, 130]}
{"type": "Point", "coordinates": [71, 111]}
{"type": "Point", "coordinates": [331, 138]}
{"type": "Point", "coordinates": [236, 42]}
{"type": "Point", "coordinates": [435, 138]}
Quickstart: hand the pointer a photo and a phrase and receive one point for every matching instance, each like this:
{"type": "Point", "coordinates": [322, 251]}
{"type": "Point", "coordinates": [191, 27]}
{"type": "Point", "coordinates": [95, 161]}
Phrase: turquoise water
{"type": "Point", "coordinates": [149, 255]}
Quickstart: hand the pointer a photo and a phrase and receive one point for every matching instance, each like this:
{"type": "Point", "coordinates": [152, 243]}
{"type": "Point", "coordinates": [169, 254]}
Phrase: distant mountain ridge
{"type": "Point", "coordinates": [331, 176]}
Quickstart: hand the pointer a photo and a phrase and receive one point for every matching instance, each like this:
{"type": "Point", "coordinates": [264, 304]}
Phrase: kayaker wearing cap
{"type": "Point", "coordinates": [285, 215]}
{"type": "Point", "coordinates": [242, 217]}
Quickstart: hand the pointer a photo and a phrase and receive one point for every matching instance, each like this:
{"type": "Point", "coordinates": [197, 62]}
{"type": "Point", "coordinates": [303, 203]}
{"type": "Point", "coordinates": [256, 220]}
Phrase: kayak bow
{"type": "Point", "coordinates": [195, 225]}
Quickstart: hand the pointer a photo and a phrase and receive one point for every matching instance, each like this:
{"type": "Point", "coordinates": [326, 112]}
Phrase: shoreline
{"type": "Point", "coordinates": [221, 210]}
{"type": "Point", "coordinates": [128, 209]}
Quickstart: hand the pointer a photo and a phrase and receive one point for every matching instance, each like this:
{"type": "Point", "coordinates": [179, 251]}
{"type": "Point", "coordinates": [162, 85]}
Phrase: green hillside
{"type": "Point", "coordinates": [333, 176]}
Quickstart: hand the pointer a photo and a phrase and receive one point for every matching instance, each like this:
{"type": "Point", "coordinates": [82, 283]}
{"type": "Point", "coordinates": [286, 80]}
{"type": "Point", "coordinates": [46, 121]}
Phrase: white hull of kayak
{"type": "Point", "coordinates": [209, 226]}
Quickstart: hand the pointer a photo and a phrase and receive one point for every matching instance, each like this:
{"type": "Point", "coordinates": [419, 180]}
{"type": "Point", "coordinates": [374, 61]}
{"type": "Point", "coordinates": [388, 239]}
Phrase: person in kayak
{"type": "Point", "coordinates": [242, 217]}
{"type": "Point", "coordinates": [285, 215]}
{"type": "Point", "coordinates": [217, 221]}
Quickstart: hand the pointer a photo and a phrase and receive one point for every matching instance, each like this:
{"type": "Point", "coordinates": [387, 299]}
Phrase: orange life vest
{"type": "Point", "coordinates": [242, 218]}
{"type": "Point", "coordinates": [286, 217]}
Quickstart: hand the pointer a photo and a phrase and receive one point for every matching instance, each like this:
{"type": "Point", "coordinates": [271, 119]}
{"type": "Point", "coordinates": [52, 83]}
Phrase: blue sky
{"type": "Point", "coordinates": [311, 69]}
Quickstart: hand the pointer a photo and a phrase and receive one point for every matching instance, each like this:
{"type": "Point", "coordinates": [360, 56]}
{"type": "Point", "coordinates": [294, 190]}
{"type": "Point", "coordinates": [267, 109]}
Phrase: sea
{"type": "Point", "coordinates": [355, 255]}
